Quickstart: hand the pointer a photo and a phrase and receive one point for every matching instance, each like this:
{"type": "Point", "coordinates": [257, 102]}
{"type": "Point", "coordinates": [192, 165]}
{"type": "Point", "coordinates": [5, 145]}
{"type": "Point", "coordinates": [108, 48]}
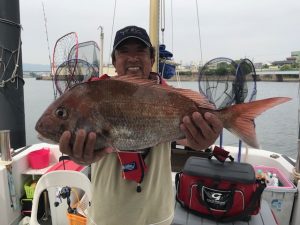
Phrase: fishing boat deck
{"type": "Point", "coordinates": [183, 217]}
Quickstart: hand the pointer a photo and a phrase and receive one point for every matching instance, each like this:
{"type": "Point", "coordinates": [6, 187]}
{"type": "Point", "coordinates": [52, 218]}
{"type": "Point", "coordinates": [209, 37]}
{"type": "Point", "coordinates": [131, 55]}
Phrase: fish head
{"type": "Point", "coordinates": [73, 110]}
{"type": "Point", "coordinates": [61, 115]}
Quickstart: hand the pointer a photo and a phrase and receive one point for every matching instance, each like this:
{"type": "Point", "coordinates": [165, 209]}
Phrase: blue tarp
{"type": "Point", "coordinates": [166, 70]}
{"type": "Point", "coordinates": [163, 53]}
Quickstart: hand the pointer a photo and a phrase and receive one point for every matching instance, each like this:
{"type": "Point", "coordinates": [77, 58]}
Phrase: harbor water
{"type": "Point", "coordinates": [277, 128]}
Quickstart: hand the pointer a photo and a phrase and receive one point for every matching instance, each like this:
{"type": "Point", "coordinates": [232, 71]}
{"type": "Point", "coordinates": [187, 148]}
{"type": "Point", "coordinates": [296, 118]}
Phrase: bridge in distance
{"type": "Point", "coordinates": [277, 72]}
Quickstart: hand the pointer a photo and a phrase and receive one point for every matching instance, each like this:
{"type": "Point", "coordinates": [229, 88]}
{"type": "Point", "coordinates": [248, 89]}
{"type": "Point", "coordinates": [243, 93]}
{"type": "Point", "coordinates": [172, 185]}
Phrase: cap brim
{"type": "Point", "coordinates": [124, 39]}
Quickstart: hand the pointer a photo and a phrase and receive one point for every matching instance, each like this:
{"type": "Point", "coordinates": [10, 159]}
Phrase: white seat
{"type": "Point", "coordinates": [59, 178]}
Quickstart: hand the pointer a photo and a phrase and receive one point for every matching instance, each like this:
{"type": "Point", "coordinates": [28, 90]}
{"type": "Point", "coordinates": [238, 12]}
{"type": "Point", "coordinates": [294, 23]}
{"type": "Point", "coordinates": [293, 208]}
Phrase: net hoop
{"type": "Point", "coordinates": [210, 85]}
{"type": "Point", "coordinates": [247, 77]}
{"type": "Point", "coordinates": [82, 72]}
{"type": "Point", "coordinates": [62, 48]}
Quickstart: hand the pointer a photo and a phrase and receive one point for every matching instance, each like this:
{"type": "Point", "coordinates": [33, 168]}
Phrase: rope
{"type": "Point", "coordinates": [172, 27]}
{"type": "Point", "coordinates": [162, 16]}
{"type": "Point", "coordinates": [178, 79]}
{"type": "Point", "coordinates": [296, 174]}
{"type": "Point", "coordinates": [49, 54]}
{"type": "Point", "coordinates": [199, 31]}
{"type": "Point", "coordinates": [112, 30]}
{"type": "Point", "coordinates": [78, 203]}
{"type": "Point", "coordinates": [9, 22]}
{"type": "Point", "coordinates": [163, 60]}
{"type": "Point", "coordinates": [14, 74]}
{"type": "Point", "coordinates": [46, 30]}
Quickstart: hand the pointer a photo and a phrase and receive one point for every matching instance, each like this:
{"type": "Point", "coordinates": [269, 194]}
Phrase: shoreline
{"type": "Point", "coordinates": [263, 78]}
{"type": "Point", "coordinates": [191, 78]}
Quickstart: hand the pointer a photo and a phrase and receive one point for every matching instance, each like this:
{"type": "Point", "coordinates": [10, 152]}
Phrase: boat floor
{"type": "Point", "coordinates": [183, 217]}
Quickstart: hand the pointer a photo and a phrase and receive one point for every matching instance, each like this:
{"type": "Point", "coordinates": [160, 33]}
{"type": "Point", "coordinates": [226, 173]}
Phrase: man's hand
{"type": "Point", "coordinates": [200, 132]}
{"type": "Point", "coordinates": [83, 151]}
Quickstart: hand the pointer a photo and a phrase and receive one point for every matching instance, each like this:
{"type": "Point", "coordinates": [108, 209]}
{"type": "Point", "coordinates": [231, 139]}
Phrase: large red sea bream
{"type": "Point", "coordinates": [133, 113]}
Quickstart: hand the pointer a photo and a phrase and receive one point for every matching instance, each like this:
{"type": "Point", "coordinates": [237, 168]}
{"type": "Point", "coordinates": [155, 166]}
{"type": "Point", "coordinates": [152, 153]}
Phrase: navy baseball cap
{"type": "Point", "coordinates": [131, 32]}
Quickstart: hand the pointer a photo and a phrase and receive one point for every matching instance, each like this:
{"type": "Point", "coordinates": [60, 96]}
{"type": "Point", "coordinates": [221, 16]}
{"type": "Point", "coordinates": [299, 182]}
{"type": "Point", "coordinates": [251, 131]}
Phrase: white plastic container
{"type": "Point", "coordinates": [280, 198]}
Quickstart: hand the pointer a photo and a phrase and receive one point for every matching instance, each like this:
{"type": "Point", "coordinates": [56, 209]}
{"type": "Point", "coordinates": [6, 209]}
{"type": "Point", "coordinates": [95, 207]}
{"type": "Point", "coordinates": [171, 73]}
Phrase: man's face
{"type": "Point", "coordinates": [133, 58]}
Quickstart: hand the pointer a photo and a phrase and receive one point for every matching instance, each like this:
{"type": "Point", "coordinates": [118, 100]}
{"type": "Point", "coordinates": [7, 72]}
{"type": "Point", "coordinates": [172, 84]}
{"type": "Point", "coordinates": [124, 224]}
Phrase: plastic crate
{"type": "Point", "coordinates": [39, 159]}
{"type": "Point", "coordinates": [75, 219]}
{"type": "Point", "coordinates": [281, 198]}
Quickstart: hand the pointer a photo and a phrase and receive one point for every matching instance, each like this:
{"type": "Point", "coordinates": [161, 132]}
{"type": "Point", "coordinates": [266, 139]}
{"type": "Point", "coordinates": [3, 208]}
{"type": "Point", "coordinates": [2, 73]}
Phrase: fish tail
{"type": "Point", "coordinates": [239, 118]}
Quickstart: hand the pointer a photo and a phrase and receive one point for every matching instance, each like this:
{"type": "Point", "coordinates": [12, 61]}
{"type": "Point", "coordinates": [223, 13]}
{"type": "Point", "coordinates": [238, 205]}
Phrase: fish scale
{"type": "Point", "coordinates": [145, 131]}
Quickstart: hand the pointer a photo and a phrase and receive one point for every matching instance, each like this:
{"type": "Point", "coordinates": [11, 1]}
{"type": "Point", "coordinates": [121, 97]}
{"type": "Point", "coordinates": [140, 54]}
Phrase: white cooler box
{"type": "Point", "coordinates": [280, 198]}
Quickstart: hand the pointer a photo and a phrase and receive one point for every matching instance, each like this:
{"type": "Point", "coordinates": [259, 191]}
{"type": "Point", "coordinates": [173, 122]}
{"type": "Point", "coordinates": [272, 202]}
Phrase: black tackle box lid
{"type": "Point", "coordinates": [211, 168]}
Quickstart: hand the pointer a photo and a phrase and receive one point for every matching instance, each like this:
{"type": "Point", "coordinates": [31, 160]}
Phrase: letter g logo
{"type": "Point", "coordinates": [216, 196]}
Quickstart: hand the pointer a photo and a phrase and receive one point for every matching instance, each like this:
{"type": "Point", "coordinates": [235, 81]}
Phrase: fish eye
{"type": "Point", "coordinates": [61, 112]}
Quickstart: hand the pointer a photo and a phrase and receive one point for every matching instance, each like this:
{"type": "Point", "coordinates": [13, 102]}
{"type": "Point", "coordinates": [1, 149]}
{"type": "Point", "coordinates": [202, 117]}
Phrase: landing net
{"type": "Point", "coordinates": [79, 63]}
{"type": "Point", "coordinates": [225, 82]}
{"type": "Point", "coordinates": [61, 56]}
{"type": "Point", "coordinates": [216, 79]}
{"type": "Point", "coordinates": [82, 72]}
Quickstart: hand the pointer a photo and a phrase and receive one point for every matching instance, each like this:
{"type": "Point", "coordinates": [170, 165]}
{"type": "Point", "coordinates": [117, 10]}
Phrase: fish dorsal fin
{"type": "Point", "coordinates": [199, 99]}
{"type": "Point", "coordinates": [137, 80]}
{"type": "Point", "coordinates": [196, 97]}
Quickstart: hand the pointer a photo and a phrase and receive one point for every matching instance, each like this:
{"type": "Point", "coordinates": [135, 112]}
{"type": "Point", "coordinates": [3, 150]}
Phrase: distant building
{"type": "Point", "coordinates": [296, 54]}
{"type": "Point", "coordinates": [283, 62]}
{"type": "Point", "coordinates": [294, 58]}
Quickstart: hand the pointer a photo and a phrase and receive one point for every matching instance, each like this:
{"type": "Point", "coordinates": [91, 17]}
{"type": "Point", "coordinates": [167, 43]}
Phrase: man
{"type": "Point", "coordinates": [115, 200]}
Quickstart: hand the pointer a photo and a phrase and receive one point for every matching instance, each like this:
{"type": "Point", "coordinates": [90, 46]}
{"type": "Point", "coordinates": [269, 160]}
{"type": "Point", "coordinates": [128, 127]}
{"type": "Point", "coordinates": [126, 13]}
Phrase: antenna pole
{"type": "Point", "coordinates": [154, 30]}
{"type": "Point", "coordinates": [101, 50]}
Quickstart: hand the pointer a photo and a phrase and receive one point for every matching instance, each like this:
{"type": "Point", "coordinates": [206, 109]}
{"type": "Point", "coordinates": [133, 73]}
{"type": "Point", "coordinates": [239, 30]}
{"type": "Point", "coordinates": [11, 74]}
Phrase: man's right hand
{"type": "Point", "coordinates": [83, 151]}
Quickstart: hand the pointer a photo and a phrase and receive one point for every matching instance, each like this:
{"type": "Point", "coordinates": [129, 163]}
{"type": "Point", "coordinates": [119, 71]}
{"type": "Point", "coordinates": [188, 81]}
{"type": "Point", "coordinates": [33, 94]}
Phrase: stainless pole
{"type": "Point", "coordinates": [297, 166]}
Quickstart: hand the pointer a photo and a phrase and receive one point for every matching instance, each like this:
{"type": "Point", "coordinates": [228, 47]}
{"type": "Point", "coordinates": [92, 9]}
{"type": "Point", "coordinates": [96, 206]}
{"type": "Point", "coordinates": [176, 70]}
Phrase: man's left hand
{"type": "Point", "coordinates": [200, 131]}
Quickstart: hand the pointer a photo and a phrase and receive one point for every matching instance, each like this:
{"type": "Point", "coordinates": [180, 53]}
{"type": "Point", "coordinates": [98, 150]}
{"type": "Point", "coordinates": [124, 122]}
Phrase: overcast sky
{"type": "Point", "coordinates": [261, 30]}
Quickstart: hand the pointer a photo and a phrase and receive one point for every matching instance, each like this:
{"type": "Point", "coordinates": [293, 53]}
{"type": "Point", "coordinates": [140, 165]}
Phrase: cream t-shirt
{"type": "Point", "coordinates": [115, 201]}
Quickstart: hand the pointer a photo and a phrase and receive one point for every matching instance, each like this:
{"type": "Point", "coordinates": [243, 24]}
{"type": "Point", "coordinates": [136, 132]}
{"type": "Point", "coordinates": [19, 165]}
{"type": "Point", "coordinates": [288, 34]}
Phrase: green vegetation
{"type": "Point", "coordinates": [287, 67]}
{"type": "Point", "coordinates": [265, 66]}
{"type": "Point", "coordinates": [185, 73]}
{"type": "Point", "coordinates": [220, 69]}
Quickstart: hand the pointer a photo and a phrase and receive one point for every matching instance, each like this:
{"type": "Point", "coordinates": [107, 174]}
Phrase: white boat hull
{"type": "Point", "coordinates": [21, 171]}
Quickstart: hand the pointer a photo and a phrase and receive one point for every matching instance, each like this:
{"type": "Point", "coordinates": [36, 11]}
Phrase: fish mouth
{"type": "Point", "coordinates": [44, 139]}
{"type": "Point", "coordinates": [46, 131]}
